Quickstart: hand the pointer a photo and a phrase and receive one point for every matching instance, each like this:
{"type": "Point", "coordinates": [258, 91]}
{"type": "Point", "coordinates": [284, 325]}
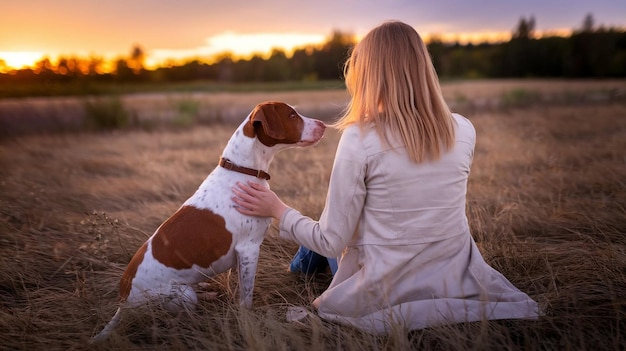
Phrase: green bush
{"type": "Point", "coordinates": [520, 97]}
{"type": "Point", "coordinates": [187, 113]}
{"type": "Point", "coordinates": [106, 114]}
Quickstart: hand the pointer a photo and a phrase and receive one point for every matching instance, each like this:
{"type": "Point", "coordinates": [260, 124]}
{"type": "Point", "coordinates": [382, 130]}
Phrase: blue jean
{"type": "Point", "coordinates": [309, 262]}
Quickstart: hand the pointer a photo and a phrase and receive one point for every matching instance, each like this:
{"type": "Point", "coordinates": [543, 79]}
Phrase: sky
{"type": "Point", "coordinates": [30, 29]}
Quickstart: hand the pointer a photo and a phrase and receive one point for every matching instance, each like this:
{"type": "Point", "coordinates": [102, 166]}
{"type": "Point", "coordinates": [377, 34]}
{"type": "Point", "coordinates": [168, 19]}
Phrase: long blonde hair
{"type": "Point", "coordinates": [393, 86]}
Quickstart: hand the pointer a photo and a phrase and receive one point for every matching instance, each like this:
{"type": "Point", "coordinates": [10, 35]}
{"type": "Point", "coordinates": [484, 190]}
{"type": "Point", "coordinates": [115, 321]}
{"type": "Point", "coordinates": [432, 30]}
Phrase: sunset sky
{"type": "Point", "coordinates": [30, 29]}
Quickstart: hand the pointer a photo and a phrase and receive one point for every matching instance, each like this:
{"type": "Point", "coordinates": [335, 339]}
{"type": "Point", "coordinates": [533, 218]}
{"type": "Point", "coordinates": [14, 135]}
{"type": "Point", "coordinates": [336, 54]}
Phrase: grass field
{"type": "Point", "coordinates": [194, 104]}
{"type": "Point", "coordinates": [546, 205]}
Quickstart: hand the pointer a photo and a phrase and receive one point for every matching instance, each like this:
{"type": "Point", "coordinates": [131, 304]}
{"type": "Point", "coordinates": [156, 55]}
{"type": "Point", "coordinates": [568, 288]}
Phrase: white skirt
{"type": "Point", "coordinates": [378, 287]}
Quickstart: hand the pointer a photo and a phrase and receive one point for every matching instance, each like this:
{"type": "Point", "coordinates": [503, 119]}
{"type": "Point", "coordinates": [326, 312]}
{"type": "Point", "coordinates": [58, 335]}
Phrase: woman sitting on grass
{"type": "Point", "coordinates": [395, 208]}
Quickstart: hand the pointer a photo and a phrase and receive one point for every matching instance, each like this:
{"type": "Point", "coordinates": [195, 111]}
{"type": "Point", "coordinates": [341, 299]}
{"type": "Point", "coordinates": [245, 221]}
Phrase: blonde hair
{"type": "Point", "coordinates": [393, 86]}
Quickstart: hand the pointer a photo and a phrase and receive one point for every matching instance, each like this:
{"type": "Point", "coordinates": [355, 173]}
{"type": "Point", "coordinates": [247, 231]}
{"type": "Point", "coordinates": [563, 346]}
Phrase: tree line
{"type": "Point", "coordinates": [589, 51]}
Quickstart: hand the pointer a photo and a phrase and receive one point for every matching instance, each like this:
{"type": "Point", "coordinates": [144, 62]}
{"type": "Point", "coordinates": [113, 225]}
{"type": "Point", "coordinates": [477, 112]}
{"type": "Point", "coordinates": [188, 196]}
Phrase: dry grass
{"type": "Point", "coordinates": [546, 204]}
{"type": "Point", "coordinates": [152, 111]}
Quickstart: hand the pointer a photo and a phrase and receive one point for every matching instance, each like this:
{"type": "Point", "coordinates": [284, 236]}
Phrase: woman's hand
{"type": "Point", "coordinates": [253, 199]}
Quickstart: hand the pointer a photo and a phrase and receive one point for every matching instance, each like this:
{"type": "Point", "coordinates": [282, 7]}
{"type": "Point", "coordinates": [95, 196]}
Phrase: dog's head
{"type": "Point", "coordinates": [275, 123]}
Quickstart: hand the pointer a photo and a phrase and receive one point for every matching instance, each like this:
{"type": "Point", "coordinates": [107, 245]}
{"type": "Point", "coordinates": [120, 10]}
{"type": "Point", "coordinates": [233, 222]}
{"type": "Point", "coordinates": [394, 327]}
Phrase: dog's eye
{"type": "Point", "coordinates": [293, 115]}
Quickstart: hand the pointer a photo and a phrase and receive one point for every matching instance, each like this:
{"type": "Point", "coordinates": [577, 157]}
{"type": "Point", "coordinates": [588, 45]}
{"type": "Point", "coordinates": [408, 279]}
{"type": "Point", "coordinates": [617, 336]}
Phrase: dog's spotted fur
{"type": "Point", "coordinates": [207, 235]}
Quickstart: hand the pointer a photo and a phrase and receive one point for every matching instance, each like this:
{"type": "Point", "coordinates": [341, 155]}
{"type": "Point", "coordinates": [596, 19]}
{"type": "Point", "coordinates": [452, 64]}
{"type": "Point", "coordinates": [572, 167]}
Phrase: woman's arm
{"type": "Point", "coordinates": [340, 217]}
{"type": "Point", "coordinates": [344, 203]}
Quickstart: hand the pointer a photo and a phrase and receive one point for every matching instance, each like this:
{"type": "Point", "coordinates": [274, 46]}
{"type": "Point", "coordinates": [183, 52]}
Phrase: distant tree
{"type": "Point", "coordinates": [95, 66]}
{"type": "Point", "coordinates": [224, 66]}
{"type": "Point", "coordinates": [525, 28]}
{"type": "Point", "coordinates": [61, 67]}
{"type": "Point", "coordinates": [330, 59]}
{"type": "Point", "coordinates": [250, 70]}
{"type": "Point", "coordinates": [123, 72]}
{"type": "Point", "coordinates": [437, 50]}
{"type": "Point", "coordinates": [78, 66]}
{"type": "Point", "coordinates": [303, 64]}
{"type": "Point", "coordinates": [517, 54]}
{"type": "Point", "coordinates": [137, 59]}
{"type": "Point", "coordinates": [44, 66]}
{"type": "Point", "coordinates": [588, 25]}
{"type": "Point", "coordinates": [277, 67]}
{"type": "Point", "coordinates": [596, 51]}
{"type": "Point", "coordinates": [70, 67]}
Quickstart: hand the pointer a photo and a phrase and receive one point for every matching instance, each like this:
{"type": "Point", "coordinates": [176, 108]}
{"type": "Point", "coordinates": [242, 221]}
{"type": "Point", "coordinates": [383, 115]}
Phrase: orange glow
{"type": "Point", "coordinates": [489, 37]}
{"type": "Point", "coordinates": [236, 44]}
{"type": "Point", "coordinates": [240, 45]}
{"type": "Point", "coordinates": [467, 38]}
{"type": "Point", "coordinates": [10, 60]}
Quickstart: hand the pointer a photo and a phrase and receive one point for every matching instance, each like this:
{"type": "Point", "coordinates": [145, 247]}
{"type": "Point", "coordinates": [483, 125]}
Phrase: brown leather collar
{"type": "Point", "coordinates": [224, 162]}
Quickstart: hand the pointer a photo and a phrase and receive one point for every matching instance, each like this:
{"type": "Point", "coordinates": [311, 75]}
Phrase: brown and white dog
{"type": "Point", "coordinates": [207, 235]}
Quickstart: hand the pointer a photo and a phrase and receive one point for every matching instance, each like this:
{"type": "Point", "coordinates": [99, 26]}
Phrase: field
{"type": "Point", "coordinates": [546, 205]}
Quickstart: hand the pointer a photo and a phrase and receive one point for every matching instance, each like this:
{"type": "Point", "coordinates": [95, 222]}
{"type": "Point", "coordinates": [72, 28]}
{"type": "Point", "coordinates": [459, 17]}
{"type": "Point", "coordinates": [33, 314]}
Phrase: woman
{"type": "Point", "coordinates": [395, 208]}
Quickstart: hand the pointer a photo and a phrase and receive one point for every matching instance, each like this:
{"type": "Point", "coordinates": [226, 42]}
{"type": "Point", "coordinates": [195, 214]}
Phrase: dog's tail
{"type": "Point", "coordinates": [108, 329]}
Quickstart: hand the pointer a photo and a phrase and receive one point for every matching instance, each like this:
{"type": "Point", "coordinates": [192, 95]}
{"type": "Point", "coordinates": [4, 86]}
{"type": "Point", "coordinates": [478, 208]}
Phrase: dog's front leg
{"type": "Point", "coordinates": [247, 258]}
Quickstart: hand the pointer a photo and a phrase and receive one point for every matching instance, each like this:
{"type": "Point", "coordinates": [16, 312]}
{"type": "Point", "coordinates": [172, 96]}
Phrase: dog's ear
{"type": "Point", "coordinates": [268, 116]}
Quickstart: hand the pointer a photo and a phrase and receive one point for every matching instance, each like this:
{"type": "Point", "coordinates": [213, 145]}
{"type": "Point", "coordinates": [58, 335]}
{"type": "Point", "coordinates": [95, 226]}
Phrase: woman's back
{"type": "Point", "coordinates": [412, 259]}
{"type": "Point", "coordinates": [410, 203]}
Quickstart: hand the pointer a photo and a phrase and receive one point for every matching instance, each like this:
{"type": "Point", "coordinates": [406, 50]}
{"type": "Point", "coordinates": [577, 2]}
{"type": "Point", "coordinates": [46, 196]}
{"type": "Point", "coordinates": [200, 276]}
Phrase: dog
{"type": "Point", "coordinates": [207, 235]}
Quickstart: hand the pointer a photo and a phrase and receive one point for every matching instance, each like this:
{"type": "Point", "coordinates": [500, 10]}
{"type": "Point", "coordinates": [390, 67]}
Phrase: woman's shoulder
{"type": "Point", "coordinates": [465, 126]}
{"type": "Point", "coordinates": [358, 134]}
{"type": "Point", "coordinates": [366, 135]}
{"type": "Point", "coordinates": [362, 141]}
{"type": "Point", "coordinates": [461, 119]}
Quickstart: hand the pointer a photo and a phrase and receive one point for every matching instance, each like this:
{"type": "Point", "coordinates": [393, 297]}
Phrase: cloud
{"type": "Point", "coordinates": [238, 44]}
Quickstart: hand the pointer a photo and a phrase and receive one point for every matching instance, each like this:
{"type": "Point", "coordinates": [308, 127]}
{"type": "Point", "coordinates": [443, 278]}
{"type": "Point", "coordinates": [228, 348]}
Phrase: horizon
{"type": "Point", "coordinates": [204, 29]}
{"type": "Point", "coordinates": [238, 46]}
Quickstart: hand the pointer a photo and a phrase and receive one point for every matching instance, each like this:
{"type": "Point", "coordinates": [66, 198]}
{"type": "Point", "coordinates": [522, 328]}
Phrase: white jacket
{"type": "Point", "coordinates": [407, 256]}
